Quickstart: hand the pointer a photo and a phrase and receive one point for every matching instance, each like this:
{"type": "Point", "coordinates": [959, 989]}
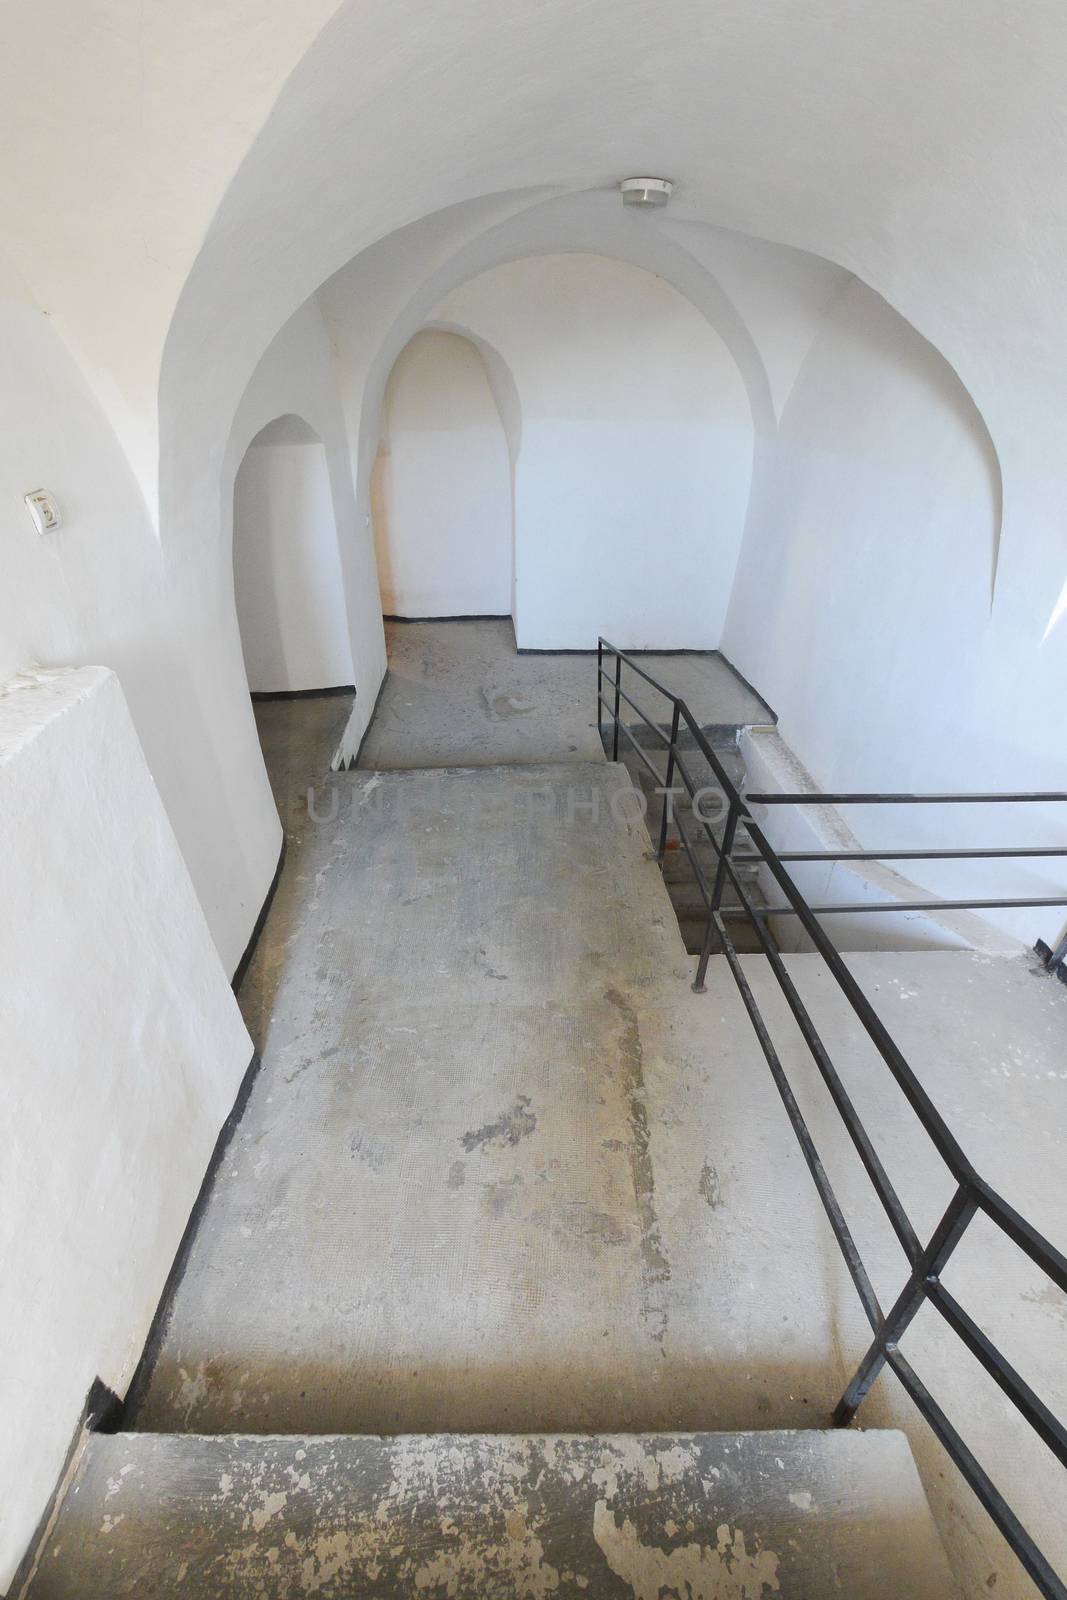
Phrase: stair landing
{"type": "Point", "coordinates": [714, 1516]}
{"type": "Point", "coordinates": [495, 1169]}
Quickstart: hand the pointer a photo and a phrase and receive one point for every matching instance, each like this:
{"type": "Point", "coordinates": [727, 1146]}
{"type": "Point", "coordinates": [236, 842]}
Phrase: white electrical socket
{"type": "Point", "coordinates": [44, 511]}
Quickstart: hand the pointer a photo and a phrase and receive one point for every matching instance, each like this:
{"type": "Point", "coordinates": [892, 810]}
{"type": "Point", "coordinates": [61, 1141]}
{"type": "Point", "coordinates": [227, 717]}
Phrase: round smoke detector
{"type": "Point", "coordinates": [646, 191]}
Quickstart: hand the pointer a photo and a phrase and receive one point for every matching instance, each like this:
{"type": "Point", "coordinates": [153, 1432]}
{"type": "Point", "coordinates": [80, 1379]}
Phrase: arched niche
{"type": "Point", "coordinates": [441, 485]}
{"type": "Point", "coordinates": [287, 570]}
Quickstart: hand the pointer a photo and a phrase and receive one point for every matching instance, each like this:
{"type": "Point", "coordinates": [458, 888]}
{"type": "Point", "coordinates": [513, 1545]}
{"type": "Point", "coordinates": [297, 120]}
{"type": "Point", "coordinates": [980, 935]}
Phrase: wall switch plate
{"type": "Point", "coordinates": [44, 511]}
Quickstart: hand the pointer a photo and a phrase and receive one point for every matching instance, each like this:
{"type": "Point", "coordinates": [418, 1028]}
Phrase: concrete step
{"type": "Point", "coordinates": [798, 1515]}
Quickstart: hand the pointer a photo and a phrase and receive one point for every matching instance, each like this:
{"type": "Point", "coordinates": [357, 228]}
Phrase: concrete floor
{"type": "Point", "coordinates": [503, 1171]}
{"type": "Point", "coordinates": [298, 738]}
{"type": "Point", "coordinates": [479, 1184]}
{"type": "Point", "coordinates": [458, 694]}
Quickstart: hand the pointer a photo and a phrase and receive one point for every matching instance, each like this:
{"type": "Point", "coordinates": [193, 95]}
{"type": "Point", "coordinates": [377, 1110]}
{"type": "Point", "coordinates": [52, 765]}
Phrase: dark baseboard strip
{"type": "Point", "coordinates": [301, 694]}
{"type": "Point", "coordinates": [536, 650]}
{"type": "Point", "coordinates": [250, 947]}
{"type": "Point", "coordinates": [101, 1413]}
{"type": "Point", "coordinates": [461, 616]}
{"type": "Point", "coordinates": [161, 1320]}
{"type": "Point", "coordinates": [104, 1411]}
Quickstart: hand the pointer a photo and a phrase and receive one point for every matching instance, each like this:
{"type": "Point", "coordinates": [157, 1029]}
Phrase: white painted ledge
{"type": "Point", "coordinates": [122, 1050]}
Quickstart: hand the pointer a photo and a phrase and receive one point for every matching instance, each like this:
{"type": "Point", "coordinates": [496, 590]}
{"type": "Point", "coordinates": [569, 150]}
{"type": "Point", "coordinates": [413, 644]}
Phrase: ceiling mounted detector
{"type": "Point", "coordinates": [646, 191]}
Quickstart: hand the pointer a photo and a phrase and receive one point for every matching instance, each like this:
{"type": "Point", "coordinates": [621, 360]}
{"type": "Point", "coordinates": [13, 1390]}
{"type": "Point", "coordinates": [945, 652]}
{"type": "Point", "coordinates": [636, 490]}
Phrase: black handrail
{"type": "Point", "coordinates": [972, 1194]}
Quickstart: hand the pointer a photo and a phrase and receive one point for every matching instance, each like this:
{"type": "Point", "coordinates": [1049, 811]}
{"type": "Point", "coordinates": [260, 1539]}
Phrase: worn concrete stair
{"type": "Point", "coordinates": [800, 1515]}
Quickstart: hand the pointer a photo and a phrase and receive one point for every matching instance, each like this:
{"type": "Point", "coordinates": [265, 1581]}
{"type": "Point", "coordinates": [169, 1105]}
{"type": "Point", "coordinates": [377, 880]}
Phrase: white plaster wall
{"type": "Point", "coordinates": [633, 475]}
{"type": "Point", "coordinates": [375, 304]}
{"type": "Point", "coordinates": [122, 1048]}
{"type": "Point", "coordinates": [100, 589]}
{"type": "Point", "coordinates": [287, 568]}
{"type": "Point", "coordinates": [936, 200]}
{"type": "Point", "coordinates": [863, 607]}
{"type": "Point", "coordinates": [441, 489]}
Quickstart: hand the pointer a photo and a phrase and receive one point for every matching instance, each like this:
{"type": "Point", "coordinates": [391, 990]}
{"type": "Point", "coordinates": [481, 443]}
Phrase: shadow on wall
{"type": "Point", "coordinates": [441, 488]}
{"type": "Point", "coordinates": [287, 568]}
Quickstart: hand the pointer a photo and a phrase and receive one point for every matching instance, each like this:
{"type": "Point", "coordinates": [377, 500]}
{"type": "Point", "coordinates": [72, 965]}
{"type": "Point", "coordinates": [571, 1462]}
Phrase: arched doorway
{"type": "Point", "coordinates": [287, 567]}
{"type": "Point", "coordinates": [441, 489]}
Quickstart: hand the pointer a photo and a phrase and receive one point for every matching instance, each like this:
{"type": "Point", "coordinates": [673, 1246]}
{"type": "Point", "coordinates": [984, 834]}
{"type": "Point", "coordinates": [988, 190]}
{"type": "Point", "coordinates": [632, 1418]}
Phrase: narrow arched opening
{"type": "Point", "coordinates": [287, 569]}
{"type": "Point", "coordinates": [441, 485]}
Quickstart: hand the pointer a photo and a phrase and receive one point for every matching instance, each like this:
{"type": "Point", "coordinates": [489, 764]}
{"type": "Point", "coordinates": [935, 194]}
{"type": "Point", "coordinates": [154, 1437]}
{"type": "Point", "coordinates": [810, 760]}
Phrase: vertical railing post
{"type": "Point", "coordinates": [947, 1236]}
{"type": "Point", "coordinates": [1057, 955]}
{"type": "Point", "coordinates": [733, 816]}
{"type": "Point", "coordinates": [668, 787]}
{"type": "Point", "coordinates": [600, 690]}
{"type": "Point", "coordinates": [618, 701]}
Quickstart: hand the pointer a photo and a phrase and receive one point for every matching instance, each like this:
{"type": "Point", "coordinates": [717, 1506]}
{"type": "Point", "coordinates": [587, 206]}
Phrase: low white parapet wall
{"type": "Point", "coordinates": [122, 1050]}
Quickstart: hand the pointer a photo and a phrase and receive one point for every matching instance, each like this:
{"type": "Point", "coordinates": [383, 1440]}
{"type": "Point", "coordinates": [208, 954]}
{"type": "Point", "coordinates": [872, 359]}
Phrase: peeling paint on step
{"type": "Point", "coordinates": [723, 1571]}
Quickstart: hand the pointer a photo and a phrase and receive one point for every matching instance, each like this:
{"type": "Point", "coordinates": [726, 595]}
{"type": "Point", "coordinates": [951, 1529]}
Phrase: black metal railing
{"type": "Point", "coordinates": [973, 1195]}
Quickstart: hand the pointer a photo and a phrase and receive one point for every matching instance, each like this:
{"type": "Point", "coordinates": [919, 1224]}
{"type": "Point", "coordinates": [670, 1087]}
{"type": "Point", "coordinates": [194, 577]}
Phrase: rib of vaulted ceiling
{"type": "Point", "coordinates": [839, 133]}
{"type": "Point", "coordinates": [595, 223]}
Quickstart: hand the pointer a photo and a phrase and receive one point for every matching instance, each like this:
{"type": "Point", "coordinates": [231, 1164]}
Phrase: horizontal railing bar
{"type": "Point", "coordinates": [842, 1232]}
{"type": "Point", "coordinates": [849, 908]}
{"type": "Point", "coordinates": [894, 1209]}
{"type": "Point", "coordinates": [1049, 1583]}
{"type": "Point", "coordinates": [1030, 1405]}
{"type": "Point", "coordinates": [1052, 797]}
{"type": "Point", "coordinates": [1022, 1233]}
{"type": "Point", "coordinates": [637, 748]}
{"type": "Point", "coordinates": [660, 777]}
{"type": "Point", "coordinates": [660, 733]}
{"type": "Point", "coordinates": [877, 1032]}
{"type": "Point", "coordinates": [694, 728]}
{"type": "Point", "coordinates": [641, 673]}
{"type": "Point", "coordinates": [943, 1241]}
{"type": "Point", "coordinates": [920, 1102]}
{"type": "Point", "coordinates": [1015, 1226]}
{"type": "Point", "coordinates": [722, 777]}
{"type": "Point", "coordinates": [993, 854]}
{"type": "Point", "coordinates": [671, 746]}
